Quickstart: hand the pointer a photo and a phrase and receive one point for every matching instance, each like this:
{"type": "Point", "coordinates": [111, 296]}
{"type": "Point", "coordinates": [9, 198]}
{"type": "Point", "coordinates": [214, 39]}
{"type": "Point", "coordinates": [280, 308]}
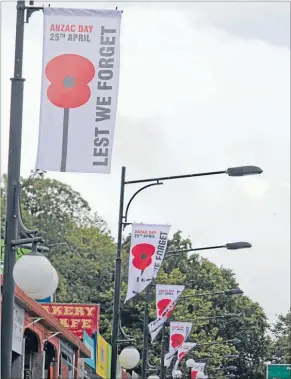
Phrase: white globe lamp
{"type": "Point", "coordinates": [129, 358]}
{"type": "Point", "coordinates": [34, 274]}
{"type": "Point", "coordinates": [178, 374]}
{"type": "Point", "coordinates": [200, 375]}
{"type": "Point", "coordinates": [190, 363]}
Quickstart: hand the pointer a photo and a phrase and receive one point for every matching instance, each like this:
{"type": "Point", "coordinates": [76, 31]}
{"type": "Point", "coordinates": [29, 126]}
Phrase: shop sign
{"type": "Point", "coordinates": [76, 317]}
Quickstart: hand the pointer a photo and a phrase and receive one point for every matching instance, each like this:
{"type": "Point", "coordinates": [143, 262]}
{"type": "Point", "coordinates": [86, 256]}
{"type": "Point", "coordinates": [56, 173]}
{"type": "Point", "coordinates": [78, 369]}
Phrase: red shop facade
{"type": "Point", "coordinates": [42, 348]}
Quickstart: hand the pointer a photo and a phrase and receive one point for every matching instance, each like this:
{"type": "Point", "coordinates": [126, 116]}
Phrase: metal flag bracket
{"type": "Point", "coordinates": [35, 320]}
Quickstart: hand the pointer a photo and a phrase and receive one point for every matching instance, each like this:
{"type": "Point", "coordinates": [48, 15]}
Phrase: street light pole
{"type": "Point", "coordinates": [13, 178]}
{"type": "Point", "coordinates": [233, 172]}
{"type": "Point", "coordinates": [117, 280]}
{"type": "Point", "coordinates": [162, 366]}
{"type": "Point", "coordinates": [145, 333]}
{"type": "Point", "coordinates": [13, 219]}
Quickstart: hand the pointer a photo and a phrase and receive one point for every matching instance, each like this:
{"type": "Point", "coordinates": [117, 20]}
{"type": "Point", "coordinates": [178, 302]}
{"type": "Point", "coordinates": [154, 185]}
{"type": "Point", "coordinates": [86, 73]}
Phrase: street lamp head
{"type": "Point", "coordinates": [190, 363]}
{"type": "Point", "coordinates": [244, 171]}
{"type": "Point", "coordinates": [238, 245]}
{"type": "Point", "coordinates": [34, 274]}
{"type": "Point", "coordinates": [129, 358]}
{"type": "Point", "coordinates": [234, 291]}
{"type": "Point", "coordinates": [177, 374]}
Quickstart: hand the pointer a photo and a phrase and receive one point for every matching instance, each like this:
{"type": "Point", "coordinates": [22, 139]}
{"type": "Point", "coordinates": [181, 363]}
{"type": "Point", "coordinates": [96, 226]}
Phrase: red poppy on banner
{"type": "Point", "coordinates": [166, 299]}
{"type": "Point", "coordinates": [147, 250]}
{"type": "Point", "coordinates": [162, 305]}
{"type": "Point", "coordinates": [142, 254]}
{"type": "Point", "coordinates": [69, 75]}
{"type": "Point", "coordinates": [179, 332]}
{"type": "Point", "coordinates": [177, 340]}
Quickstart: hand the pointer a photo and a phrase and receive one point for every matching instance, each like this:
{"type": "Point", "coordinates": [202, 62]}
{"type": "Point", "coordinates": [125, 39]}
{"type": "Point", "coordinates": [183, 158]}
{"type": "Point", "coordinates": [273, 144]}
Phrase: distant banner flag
{"type": "Point", "coordinates": [182, 352]}
{"type": "Point", "coordinates": [199, 367]}
{"type": "Point", "coordinates": [166, 299]}
{"type": "Point", "coordinates": [147, 250]}
{"type": "Point", "coordinates": [80, 78]}
{"type": "Point", "coordinates": [179, 332]}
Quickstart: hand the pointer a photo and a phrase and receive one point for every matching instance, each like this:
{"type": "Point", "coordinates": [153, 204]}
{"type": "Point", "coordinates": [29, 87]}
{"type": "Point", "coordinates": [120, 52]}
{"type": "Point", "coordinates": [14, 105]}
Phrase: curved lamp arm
{"type": "Point", "coordinates": [135, 194]}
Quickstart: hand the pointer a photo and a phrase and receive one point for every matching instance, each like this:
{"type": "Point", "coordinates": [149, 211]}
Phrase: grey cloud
{"type": "Point", "coordinates": [265, 21]}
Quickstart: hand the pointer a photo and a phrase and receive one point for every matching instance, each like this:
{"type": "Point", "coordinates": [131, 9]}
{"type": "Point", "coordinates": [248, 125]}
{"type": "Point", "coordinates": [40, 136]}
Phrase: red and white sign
{"type": "Point", "coordinates": [179, 332]}
{"type": "Point", "coordinates": [76, 317]}
{"type": "Point", "coordinates": [182, 352]}
{"type": "Point", "coordinates": [147, 250]}
{"type": "Point", "coordinates": [199, 367]}
{"type": "Point", "coordinates": [79, 91]}
{"type": "Point", "coordinates": [166, 299]}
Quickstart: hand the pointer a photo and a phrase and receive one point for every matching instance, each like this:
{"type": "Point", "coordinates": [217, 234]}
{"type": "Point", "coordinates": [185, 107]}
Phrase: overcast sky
{"type": "Point", "coordinates": [203, 87]}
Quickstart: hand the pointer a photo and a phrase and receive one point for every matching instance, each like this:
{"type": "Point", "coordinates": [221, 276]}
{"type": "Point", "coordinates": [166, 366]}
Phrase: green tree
{"type": "Point", "coordinates": [280, 351]}
{"type": "Point", "coordinates": [85, 262]}
{"type": "Point", "coordinates": [82, 249]}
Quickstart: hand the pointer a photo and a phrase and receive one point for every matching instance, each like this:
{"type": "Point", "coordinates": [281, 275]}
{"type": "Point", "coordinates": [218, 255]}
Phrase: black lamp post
{"type": "Point", "coordinates": [122, 222]}
{"type": "Point", "coordinates": [14, 226]}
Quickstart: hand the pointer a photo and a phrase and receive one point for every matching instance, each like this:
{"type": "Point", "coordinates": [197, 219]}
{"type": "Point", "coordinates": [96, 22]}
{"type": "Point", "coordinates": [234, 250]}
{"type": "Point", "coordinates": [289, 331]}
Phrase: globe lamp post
{"type": "Point", "coordinates": [190, 363]}
{"type": "Point", "coordinates": [129, 358]}
{"type": "Point", "coordinates": [35, 275]}
{"type": "Point", "coordinates": [177, 374]}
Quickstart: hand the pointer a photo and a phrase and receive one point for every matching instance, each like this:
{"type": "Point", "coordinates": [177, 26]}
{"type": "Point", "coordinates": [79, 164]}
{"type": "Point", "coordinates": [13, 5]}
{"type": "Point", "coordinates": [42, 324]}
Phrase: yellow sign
{"type": "Point", "coordinates": [102, 361]}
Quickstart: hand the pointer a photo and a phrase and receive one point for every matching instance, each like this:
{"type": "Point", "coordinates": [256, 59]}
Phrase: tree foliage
{"type": "Point", "coordinates": [83, 252]}
{"type": "Point", "coordinates": [280, 352]}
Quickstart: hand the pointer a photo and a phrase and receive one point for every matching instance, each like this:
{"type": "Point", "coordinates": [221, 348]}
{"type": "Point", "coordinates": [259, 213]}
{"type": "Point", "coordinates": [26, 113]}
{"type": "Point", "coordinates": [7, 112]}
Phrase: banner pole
{"type": "Point", "coordinates": [13, 184]}
{"type": "Point", "coordinates": [117, 280]}
{"type": "Point", "coordinates": [162, 374]}
{"type": "Point", "coordinates": [145, 333]}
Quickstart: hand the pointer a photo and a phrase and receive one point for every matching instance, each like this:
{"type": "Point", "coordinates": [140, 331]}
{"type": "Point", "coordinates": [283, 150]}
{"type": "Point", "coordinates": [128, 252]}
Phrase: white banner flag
{"type": "Point", "coordinates": [166, 299]}
{"type": "Point", "coordinates": [80, 77]}
{"type": "Point", "coordinates": [182, 352]}
{"type": "Point", "coordinates": [199, 367]}
{"type": "Point", "coordinates": [179, 332]}
{"type": "Point", "coordinates": [147, 250]}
